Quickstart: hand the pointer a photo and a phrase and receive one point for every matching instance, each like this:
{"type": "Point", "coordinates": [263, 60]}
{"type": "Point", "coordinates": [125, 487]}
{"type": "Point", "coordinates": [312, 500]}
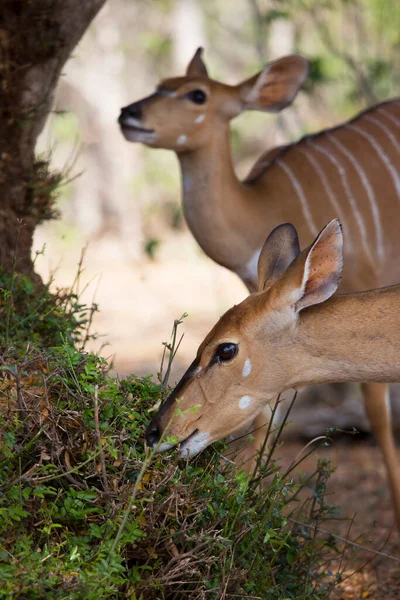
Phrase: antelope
{"type": "Point", "coordinates": [351, 171]}
{"type": "Point", "coordinates": [292, 333]}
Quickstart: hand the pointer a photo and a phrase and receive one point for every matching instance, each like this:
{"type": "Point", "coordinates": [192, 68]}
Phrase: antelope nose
{"type": "Point", "coordinates": [153, 434]}
{"type": "Point", "coordinates": [133, 111]}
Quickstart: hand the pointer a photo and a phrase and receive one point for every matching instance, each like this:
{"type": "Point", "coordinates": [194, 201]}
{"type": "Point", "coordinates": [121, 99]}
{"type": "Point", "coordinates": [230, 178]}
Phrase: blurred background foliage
{"type": "Point", "coordinates": [125, 198]}
{"type": "Point", "coordinates": [353, 46]}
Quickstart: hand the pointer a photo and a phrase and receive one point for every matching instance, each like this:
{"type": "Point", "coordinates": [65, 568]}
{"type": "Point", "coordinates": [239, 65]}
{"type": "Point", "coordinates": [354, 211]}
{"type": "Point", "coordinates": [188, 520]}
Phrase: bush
{"type": "Point", "coordinates": [30, 313]}
{"type": "Point", "coordinates": [87, 511]}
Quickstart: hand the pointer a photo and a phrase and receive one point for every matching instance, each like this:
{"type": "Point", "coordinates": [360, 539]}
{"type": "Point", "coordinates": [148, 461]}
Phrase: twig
{"type": "Point", "coordinates": [173, 349]}
{"type": "Point", "coordinates": [13, 273]}
{"type": "Point", "coordinates": [327, 40]}
{"type": "Point", "coordinates": [273, 447]}
{"type": "Point", "coordinates": [266, 437]}
{"type": "Point", "coordinates": [128, 509]}
{"type": "Point", "coordinates": [20, 402]}
{"type": "Point", "coordinates": [347, 541]}
{"type": "Point", "coordinates": [74, 481]}
{"type": "Point", "coordinates": [92, 310]}
{"type": "Point", "coordinates": [380, 553]}
{"type": "Point", "coordinates": [148, 458]}
{"type": "Point", "coordinates": [20, 478]}
{"type": "Point", "coordinates": [296, 461]}
{"type": "Point", "coordinates": [61, 475]}
{"type": "Point", "coordinates": [97, 426]}
{"type": "Point", "coordinates": [259, 29]}
{"type": "Point", "coordinates": [23, 448]}
{"type": "Point", "coordinates": [189, 554]}
{"type": "Point", "coordinates": [80, 269]}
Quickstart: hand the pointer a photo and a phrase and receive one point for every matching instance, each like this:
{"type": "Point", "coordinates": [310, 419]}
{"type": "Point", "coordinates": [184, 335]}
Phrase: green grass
{"type": "Point", "coordinates": [88, 512]}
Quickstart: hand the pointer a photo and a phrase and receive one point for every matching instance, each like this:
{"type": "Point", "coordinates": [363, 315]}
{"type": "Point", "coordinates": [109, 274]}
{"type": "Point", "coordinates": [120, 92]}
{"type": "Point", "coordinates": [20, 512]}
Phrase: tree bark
{"type": "Point", "coordinates": [36, 39]}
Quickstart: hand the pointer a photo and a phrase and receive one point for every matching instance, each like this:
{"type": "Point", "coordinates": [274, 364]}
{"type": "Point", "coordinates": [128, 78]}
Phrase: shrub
{"type": "Point", "coordinates": [30, 313]}
{"type": "Point", "coordinates": [88, 512]}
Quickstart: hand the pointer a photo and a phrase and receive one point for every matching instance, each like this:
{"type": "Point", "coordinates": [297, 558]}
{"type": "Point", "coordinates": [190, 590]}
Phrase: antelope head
{"type": "Point", "coordinates": [184, 112]}
{"type": "Point", "coordinates": [255, 351]}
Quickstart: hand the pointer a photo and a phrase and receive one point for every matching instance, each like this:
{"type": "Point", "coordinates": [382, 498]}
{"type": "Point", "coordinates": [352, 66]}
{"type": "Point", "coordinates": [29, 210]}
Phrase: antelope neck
{"type": "Point", "coordinates": [351, 337]}
{"type": "Point", "coordinates": [215, 201]}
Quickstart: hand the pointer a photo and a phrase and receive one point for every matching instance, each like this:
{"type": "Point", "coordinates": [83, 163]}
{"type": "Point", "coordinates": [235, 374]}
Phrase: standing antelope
{"type": "Point", "coordinates": [290, 334]}
{"type": "Point", "coordinates": [350, 172]}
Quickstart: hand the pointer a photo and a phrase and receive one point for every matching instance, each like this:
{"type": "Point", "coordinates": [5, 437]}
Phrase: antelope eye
{"type": "Point", "coordinates": [197, 96]}
{"type": "Point", "coordinates": [226, 351]}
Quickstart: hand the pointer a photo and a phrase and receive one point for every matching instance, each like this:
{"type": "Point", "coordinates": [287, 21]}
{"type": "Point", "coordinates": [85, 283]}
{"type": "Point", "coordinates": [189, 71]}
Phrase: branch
{"type": "Point", "coordinates": [345, 540]}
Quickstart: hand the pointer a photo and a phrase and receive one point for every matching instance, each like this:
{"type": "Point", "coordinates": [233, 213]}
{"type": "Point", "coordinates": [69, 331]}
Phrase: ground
{"type": "Point", "coordinates": [359, 487]}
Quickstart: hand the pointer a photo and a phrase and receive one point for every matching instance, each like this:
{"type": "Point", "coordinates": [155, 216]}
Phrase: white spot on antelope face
{"type": "Point", "coordinates": [196, 371]}
{"type": "Point", "coordinates": [246, 368]}
{"type": "Point", "coordinates": [194, 445]}
{"type": "Point", "coordinates": [182, 139]}
{"type": "Point", "coordinates": [244, 402]}
{"type": "Point", "coordinates": [199, 119]}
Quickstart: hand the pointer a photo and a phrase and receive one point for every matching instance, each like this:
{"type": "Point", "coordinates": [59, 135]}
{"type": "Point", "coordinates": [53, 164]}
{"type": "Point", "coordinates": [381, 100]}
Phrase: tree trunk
{"type": "Point", "coordinates": [36, 39]}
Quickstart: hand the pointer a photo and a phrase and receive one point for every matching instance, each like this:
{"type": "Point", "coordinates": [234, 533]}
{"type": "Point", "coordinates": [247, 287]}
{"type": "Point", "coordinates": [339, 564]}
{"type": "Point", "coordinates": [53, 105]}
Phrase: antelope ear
{"type": "Point", "coordinates": [276, 85]}
{"type": "Point", "coordinates": [279, 251]}
{"type": "Point", "coordinates": [322, 269]}
{"type": "Point", "coordinates": [196, 67]}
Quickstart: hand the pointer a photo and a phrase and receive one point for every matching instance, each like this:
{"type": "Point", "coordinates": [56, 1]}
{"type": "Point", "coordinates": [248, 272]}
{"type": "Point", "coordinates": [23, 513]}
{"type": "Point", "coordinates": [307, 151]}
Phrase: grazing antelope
{"type": "Point", "coordinates": [351, 171]}
{"type": "Point", "coordinates": [290, 334]}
